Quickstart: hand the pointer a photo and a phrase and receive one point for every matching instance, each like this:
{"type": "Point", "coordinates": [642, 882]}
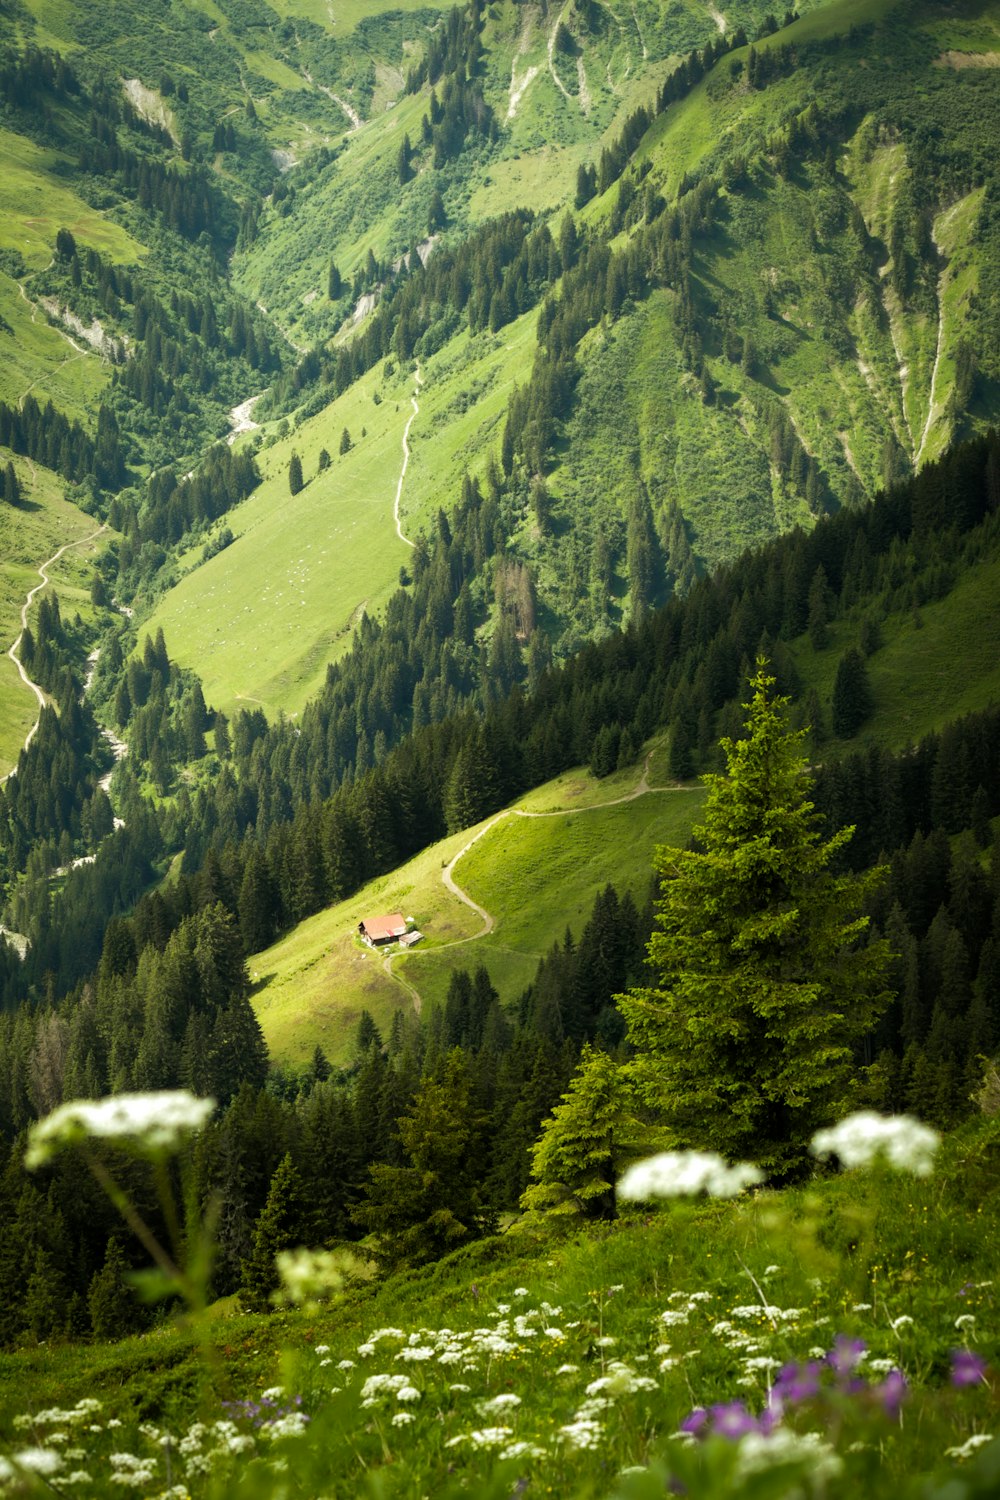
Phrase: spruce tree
{"type": "Point", "coordinates": [765, 981]}
{"type": "Point", "coordinates": [279, 1227]}
{"type": "Point", "coordinates": [590, 1135]}
{"type": "Point", "coordinates": [852, 695]}
{"type": "Point", "coordinates": [295, 480]}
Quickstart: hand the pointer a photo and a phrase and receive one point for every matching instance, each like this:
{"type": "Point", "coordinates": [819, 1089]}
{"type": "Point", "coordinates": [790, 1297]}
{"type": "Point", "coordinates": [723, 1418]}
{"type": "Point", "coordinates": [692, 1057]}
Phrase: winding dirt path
{"type": "Point", "coordinates": [418, 382]}
{"type": "Point", "coordinates": [25, 607]}
{"type": "Point", "coordinates": [489, 921]}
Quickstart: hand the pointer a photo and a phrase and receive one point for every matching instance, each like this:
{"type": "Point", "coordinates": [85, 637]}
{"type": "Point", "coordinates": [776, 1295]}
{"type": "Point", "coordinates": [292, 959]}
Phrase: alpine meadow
{"type": "Point", "coordinates": [500, 749]}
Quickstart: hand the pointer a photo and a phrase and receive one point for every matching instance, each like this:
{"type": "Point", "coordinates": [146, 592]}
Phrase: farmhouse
{"type": "Point", "coordinates": [377, 931]}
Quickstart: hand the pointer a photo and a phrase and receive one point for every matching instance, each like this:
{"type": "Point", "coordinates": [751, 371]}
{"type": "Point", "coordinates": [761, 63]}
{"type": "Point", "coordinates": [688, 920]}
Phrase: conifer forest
{"type": "Point", "coordinates": [500, 749]}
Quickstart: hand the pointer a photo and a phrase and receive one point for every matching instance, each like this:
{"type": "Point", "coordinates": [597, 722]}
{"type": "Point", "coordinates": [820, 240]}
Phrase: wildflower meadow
{"type": "Point", "coordinates": [838, 1338]}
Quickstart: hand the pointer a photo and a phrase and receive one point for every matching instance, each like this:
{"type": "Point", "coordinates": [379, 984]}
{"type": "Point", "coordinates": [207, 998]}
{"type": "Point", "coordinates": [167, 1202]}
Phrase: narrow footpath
{"type": "Point", "coordinates": [418, 382]}
{"type": "Point", "coordinates": [489, 921]}
{"type": "Point", "coordinates": [43, 574]}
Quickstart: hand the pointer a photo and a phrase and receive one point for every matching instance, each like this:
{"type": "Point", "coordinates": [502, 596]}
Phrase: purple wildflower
{"type": "Point", "coordinates": [846, 1354]}
{"type": "Point", "coordinates": [967, 1368]}
{"type": "Point", "coordinates": [892, 1393]}
{"type": "Point", "coordinates": [732, 1420]}
{"type": "Point", "coordinates": [695, 1421]}
{"type": "Point", "coordinates": [795, 1383]}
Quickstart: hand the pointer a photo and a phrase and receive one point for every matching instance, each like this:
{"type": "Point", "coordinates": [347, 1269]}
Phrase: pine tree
{"type": "Point", "coordinates": [295, 480]}
{"type": "Point", "coordinates": [278, 1227]}
{"type": "Point", "coordinates": [114, 1311]}
{"type": "Point", "coordinates": [852, 695]}
{"type": "Point", "coordinates": [433, 1203]}
{"type": "Point", "coordinates": [765, 982]}
{"type": "Point", "coordinates": [590, 1135]}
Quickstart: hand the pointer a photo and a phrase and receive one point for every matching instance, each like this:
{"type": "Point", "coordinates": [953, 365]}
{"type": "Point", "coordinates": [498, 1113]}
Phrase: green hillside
{"type": "Point", "coordinates": [673, 1308]}
{"type": "Point", "coordinates": [827, 332]}
{"type": "Point", "coordinates": [535, 870]}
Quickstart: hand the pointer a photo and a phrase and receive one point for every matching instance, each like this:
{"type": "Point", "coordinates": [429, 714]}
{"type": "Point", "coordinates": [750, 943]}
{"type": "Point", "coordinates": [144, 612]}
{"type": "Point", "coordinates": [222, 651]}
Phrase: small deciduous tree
{"type": "Point", "coordinates": [765, 978]}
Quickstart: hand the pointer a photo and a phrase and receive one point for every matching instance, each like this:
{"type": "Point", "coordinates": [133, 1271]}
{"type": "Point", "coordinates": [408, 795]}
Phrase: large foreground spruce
{"type": "Point", "coordinates": [766, 980]}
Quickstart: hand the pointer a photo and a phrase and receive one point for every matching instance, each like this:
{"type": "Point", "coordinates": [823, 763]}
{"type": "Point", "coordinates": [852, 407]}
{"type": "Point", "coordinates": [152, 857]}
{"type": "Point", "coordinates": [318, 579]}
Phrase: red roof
{"type": "Point", "coordinates": [377, 928]}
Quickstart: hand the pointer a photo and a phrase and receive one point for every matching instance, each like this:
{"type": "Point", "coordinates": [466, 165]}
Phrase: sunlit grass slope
{"type": "Point", "coordinates": [934, 664]}
{"type": "Point", "coordinates": [261, 619]}
{"type": "Point", "coordinates": [36, 200]}
{"type": "Point", "coordinates": [674, 1306]}
{"type": "Point", "coordinates": [536, 876]}
{"type": "Point", "coordinates": [29, 535]}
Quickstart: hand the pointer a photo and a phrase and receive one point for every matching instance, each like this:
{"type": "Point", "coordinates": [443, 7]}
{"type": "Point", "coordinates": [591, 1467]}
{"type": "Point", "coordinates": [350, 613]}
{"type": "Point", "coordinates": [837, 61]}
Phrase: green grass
{"type": "Point", "coordinates": [535, 875]}
{"type": "Point", "coordinates": [261, 619]}
{"type": "Point", "coordinates": [29, 536]}
{"type": "Point", "coordinates": [35, 202]}
{"type": "Point", "coordinates": [845, 1256]}
{"type": "Point", "coordinates": [924, 675]}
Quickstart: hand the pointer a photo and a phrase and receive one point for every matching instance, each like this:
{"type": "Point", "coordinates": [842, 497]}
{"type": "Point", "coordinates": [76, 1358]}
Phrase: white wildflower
{"type": "Point", "coordinates": [861, 1307]}
{"type": "Point", "coordinates": [866, 1137]}
{"type": "Point", "coordinates": [762, 1362]}
{"type": "Point", "coordinates": [520, 1291]}
{"type": "Point", "coordinates": [606, 1342]}
{"type": "Point", "coordinates": [968, 1448]}
{"type": "Point", "coordinates": [882, 1366]}
{"type": "Point", "coordinates": [291, 1424]}
{"type": "Point", "coordinates": [758, 1452]}
{"type": "Point", "coordinates": [308, 1277]}
{"type": "Point", "coordinates": [460, 1389]}
{"type": "Point", "coordinates": [903, 1321]}
{"type": "Point", "coordinates": [408, 1393]}
{"type": "Point", "coordinates": [568, 1370]}
{"type": "Point", "coordinates": [965, 1321]}
{"type": "Point", "coordinates": [322, 1349]}
{"type": "Point", "coordinates": [771, 1270]}
{"type": "Point", "coordinates": [495, 1406]}
{"type": "Point", "coordinates": [522, 1450]}
{"type": "Point", "coordinates": [402, 1418]}
{"type": "Point", "coordinates": [416, 1353]}
{"type": "Point", "coordinates": [685, 1174]}
{"type": "Point", "coordinates": [273, 1393]}
{"type": "Point", "coordinates": [582, 1433]}
{"type": "Point", "coordinates": [345, 1364]}
{"type": "Point", "coordinates": [29, 1461]}
{"type": "Point", "coordinates": [553, 1333]}
{"type": "Point", "coordinates": [149, 1124]}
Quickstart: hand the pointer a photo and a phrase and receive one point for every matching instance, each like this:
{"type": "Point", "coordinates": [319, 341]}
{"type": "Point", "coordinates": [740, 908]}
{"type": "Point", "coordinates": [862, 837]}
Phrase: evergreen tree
{"type": "Point", "coordinates": [852, 695]}
{"type": "Point", "coordinates": [590, 1135]}
{"type": "Point", "coordinates": [295, 480]}
{"type": "Point", "coordinates": [434, 1202]}
{"type": "Point", "coordinates": [278, 1227]}
{"type": "Point", "coordinates": [345, 442]}
{"type": "Point", "coordinates": [765, 982]}
{"type": "Point", "coordinates": [114, 1311]}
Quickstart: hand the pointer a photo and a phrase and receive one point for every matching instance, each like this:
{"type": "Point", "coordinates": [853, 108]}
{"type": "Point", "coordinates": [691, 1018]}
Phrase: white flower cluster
{"type": "Point", "coordinates": [153, 1124]}
{"type": "Point", "coordinates": [759, 1451]}
{"type": "Point", "coordinates": [379, 1387]}
{"type": "Point", "coordinates": [55, 1417]}
{"type": "Point", "coordinates": [308, 1277]}
{"type": "Point", "coordinates": [685, 1174]}
{"type": "Point", "coordinates": [29, 1461]}
{"type": "Point", "coordinates": [902, 1142]}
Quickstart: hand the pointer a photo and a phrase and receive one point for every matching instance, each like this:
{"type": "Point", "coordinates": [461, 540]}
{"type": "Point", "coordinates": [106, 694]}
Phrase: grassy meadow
{"type": "Point", "coordinates": [29, 535]}
{"type": "Point", "coordinates": [565, 1362]}
{"type": "Point", "coordinates": [933, 665]}
{"type": "Point", "coordinates": [262, 618]}
{"type": "Point", "coordinates": [536, 875]}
